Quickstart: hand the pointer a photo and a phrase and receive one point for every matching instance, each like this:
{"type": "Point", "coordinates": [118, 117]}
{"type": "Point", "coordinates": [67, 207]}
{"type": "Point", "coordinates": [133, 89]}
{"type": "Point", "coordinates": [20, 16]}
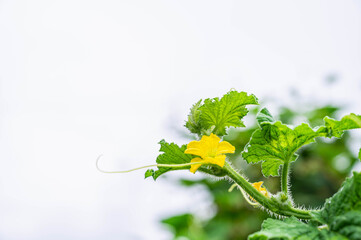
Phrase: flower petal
{"type": "Point", "coordinates": [212, 141]}
{"type": "Point", "coordinates": [195, 166]}
{"type": "Point", "coordinates": [210, 150]}
{"type": "Point", "coordinates": [214, 138]}
{"type": "Point", "coordinates": [218, 160]}
{"type": "Point", "coordinates": [225, 147]}
{"type": "Point", "coordinates": [258, 186]}
{"type": "Point", "coordinates": [195, 148]}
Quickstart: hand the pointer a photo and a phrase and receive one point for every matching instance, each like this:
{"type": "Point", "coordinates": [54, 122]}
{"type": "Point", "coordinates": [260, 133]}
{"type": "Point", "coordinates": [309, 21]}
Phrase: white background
{"type": "Point", "coordinates": [83, 78]}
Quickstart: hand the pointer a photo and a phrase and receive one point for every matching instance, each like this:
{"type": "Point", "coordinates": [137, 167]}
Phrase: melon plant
{"type": "Point", "coordinates": [274, 145]}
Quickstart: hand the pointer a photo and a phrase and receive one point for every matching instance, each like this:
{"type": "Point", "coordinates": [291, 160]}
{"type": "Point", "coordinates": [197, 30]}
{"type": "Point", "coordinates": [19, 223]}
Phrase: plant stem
{"type": "Point", "coordinates": [147, 166]}
{"type": "Point", "coordinates": [284, 178]}
{"type": "Point", "coordinates": [248, 188]}
{"type": "Point", "coordinates": [268, 203]}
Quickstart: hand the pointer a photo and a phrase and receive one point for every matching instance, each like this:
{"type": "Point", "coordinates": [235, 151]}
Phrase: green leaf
{"type": "Point", "coordinates": [342, 212]}
{"type": "Point", "coordinates": [216, 115]}
{"type": "Point", "coordinates": [185, 226]}
{"type": "Point", "coordinates": [359, 154]}
{"type": "Point", "coordinates": [336, 128]}
{"type": "Point", "coordinates": [290, 229]}
{"type": "Point", "coordinates": [148, 173]}
{"type": "Point", "coordinates": [172, 154]}
{"type": "Point", "coordinates": [179, 223]}
{"type": "Point", "coordinates": [348, 225]}
{"type": "Point", "coordinates": [275, 143]}
{"type": "Point", "coordinates": [193, 123]}
{"type": "Point", "coordinates": [348, 198]}
{"type": "Point", "coordinates": [264, 116]}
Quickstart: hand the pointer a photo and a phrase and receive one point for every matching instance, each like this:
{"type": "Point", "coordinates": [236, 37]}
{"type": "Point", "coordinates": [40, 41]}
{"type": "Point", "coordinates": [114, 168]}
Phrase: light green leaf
{"type": "Point", "coordinates": [359, 154]}
{"type": "Point", "coordinates": [215, 115]}
{"type": "Point", "coordinates": [290, 229]}
{"type": "Point", "coordinates": [148, 173]}
{"type": "Point", "coordinates": [275, 143]}
{"type": "Point", "coordinates": [172, 154]}
{"type": "Point", "coordinates": [264, 116]}
{"type": "Point", "coordinates": [336, 128]}
{"type": "Point", "coordinates": [193, 123]}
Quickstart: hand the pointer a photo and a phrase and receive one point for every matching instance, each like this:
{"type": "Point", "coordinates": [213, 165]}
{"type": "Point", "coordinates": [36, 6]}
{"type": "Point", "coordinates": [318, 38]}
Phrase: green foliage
{"type": "Point", "coordinates": [348, 225]}
{"type": "Point", "coordinates": [264, 116]}
{"type": "Point", "coordinates": [342, 212]}
{"type": "Point", "coordinates": [359, 154]}
{"type": "Point", "coordinates": [225, 223]}
{"type": "Point", "coordinates": [275, 143]}
{"type": "Point", "coordinates": [172, 154]}
{"type": "Point", "coordinates": [290, 229]}
{"type": "Point", "coordinates": [215, 115]}
{"type": "Point", "coordinates": [193, 123]}
{"type": "Point", "coordinates": [149, 173]}
{"type": "Point", "coordinates": [347, 199]}
{"type": "Point", "coordinates": [336, 128]}
{"type": "Point", "coordinates": [185, 224]}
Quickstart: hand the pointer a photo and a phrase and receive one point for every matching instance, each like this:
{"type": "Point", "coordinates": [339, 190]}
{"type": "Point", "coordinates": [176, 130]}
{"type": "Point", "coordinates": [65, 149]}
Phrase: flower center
{"type": "Point", "coordinates": [212, 152]}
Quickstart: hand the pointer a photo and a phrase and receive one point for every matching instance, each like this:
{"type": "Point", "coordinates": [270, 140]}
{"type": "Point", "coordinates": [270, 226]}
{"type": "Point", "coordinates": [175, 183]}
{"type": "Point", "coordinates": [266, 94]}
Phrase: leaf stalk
{"type": "Point", "coordinates": [284, 178]}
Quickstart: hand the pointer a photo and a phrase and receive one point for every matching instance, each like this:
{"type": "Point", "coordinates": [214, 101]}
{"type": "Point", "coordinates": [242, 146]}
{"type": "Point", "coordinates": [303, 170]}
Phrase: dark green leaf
{"type": "Point", "coordinates": [345, 200]}
{"type": "Point", "coordinates": [342, 212]}
{"type": "Point", "coordinates": [348, 225]}
{"type": "Point", "coordinates": [290, 229]}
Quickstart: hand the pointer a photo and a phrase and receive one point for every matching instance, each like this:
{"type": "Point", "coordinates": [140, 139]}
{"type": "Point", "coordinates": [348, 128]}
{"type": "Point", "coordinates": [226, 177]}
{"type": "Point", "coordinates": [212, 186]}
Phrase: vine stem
{"type": "Point", "coordinates": [147, 166]}
{"type": "Point", "coordinates": [269, 203]}
{"type": "Point", "coordinates": [284, 178]}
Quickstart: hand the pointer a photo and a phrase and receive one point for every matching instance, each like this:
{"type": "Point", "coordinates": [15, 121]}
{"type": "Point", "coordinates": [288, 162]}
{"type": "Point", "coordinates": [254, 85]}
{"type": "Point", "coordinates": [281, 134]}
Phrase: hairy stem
{"type": "Point", "coordinates": [284, 178]}
{"type": "Point", "coordinates": [268, 203]}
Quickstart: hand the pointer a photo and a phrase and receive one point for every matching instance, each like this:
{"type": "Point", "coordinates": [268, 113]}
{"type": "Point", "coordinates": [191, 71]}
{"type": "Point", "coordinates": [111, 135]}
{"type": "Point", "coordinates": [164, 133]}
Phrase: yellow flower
{"type": "Point", "coordinates": [210, 150]}
{"type": "Point", "coordinates": [263, 190]}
